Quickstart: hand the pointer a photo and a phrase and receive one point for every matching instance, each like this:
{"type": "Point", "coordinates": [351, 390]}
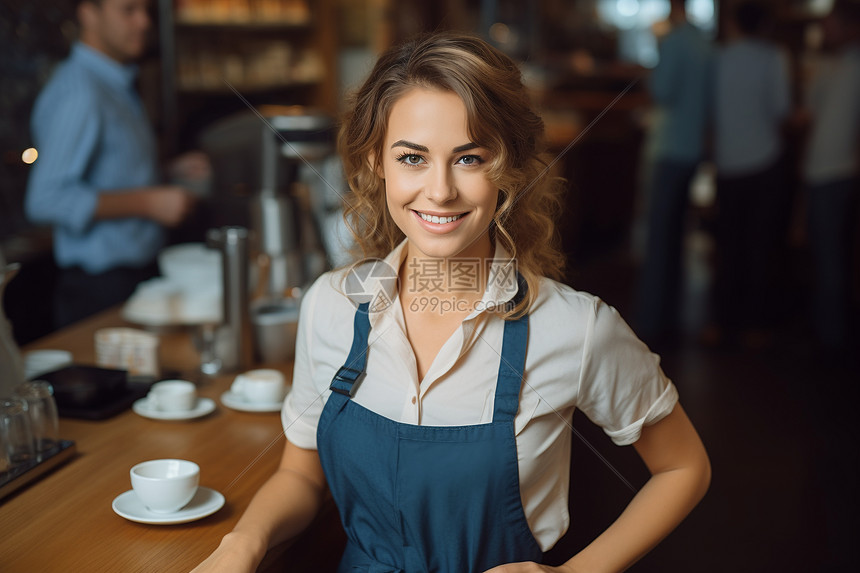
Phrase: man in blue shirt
{"type": "Point", "coordinates": [97, 181]}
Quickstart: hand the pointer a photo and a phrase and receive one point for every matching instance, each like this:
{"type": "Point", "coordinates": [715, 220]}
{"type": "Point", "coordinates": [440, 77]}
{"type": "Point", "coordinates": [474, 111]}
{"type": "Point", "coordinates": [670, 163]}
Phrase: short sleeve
{"type": "Point", "coordinates": [622, 386]}
{"type": "Point", "coordinates": [303, 406]}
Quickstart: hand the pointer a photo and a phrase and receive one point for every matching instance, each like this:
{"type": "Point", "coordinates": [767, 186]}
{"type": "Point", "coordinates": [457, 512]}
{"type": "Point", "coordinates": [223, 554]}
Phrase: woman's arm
{"type": "Point", "coordinates": [283, 507]}
{"type": "Point", "coordinates": [680, 475]}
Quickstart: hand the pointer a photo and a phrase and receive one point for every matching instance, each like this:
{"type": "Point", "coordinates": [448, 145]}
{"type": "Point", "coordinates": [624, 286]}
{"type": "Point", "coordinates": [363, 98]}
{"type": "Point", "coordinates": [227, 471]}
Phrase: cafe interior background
{"type": "Point", "coordinates": [776, 420]}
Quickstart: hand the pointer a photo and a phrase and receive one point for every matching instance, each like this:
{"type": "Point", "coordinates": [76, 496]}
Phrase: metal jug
{"type": "Point", "coordinates": [11, 362]}
{"type": "Point", "coordinates": [234, 344]}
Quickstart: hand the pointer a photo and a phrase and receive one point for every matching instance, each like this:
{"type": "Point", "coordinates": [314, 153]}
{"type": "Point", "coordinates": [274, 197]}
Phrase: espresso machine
{"type": "Point", "coordinates": [287, 229]}
{"type": "Point", "coordinates": [276, 173]}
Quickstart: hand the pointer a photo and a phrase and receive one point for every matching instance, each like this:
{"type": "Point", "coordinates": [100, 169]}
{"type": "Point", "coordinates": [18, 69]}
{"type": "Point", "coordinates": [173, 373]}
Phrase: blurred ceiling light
{"type": "Point", "coordinates": [701, 13]}
{"type": "Point", "coordinates": [500, 33]}
{"type": "Point", "coordinates": [582, 62]}
{"type": "Point", "coordinates": [627, 8]}
{"type": "Point", "coordinates": [30, 155]}
{"type": "Point", "coordinates": [819, 7]}
{"type": "Point", "coordinates": [653, 10]}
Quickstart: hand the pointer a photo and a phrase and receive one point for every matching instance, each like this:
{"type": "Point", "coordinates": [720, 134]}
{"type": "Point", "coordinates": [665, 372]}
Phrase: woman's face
{"type": "Point", "coordinates": [436, 182]}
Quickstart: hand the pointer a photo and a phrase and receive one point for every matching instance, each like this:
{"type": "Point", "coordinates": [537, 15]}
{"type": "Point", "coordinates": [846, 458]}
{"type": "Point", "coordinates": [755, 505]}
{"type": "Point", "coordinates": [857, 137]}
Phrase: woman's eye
{"type": "Point", "coordinates": [410, 159]}
{"type": "Point", "coordinates": [470, 160]}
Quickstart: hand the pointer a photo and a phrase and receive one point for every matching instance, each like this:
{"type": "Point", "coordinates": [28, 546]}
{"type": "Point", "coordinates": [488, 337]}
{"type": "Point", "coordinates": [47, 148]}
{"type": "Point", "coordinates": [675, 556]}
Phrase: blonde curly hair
{"type": "Point", "coordinates": [500, 118]}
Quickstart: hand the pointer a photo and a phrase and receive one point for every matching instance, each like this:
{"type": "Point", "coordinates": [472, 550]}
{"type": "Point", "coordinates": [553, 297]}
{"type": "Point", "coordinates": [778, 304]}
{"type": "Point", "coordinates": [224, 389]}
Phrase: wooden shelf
{"type": "Point", "coordinates": [273, 55]}
{"type": "Point", "coordinates": [250, 26]}
{"type": "Point", "coordinates": [224, 89]}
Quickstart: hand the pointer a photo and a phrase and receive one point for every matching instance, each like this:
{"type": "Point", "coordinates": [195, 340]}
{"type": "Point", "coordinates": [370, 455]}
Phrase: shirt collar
{"type": "Point", "coordinates": [108, 69]}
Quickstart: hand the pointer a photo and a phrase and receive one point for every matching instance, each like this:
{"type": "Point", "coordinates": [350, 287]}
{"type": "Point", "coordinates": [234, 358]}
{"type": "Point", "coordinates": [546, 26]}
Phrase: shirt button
{"type": "Point", "coordinates": [414, 399]}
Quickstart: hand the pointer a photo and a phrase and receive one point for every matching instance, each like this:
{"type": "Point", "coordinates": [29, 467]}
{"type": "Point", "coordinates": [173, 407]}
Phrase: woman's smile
{"type": "Point", "coordinates": [440, 223]}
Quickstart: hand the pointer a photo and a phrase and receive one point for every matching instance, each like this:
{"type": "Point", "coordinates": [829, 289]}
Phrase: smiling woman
{"type": "Point", "coordinates": [439, 418]}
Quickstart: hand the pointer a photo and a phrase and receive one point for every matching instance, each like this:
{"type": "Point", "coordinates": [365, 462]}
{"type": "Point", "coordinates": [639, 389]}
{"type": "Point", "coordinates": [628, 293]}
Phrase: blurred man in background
{"type": "Point", "coordinates": [680, 88]}
{"type": "Point", "coordinates": [97, 180]}
{"type": "Point", "coordinates": [752, 103]}
{"type": "Point", "coordinates": [831, 171]}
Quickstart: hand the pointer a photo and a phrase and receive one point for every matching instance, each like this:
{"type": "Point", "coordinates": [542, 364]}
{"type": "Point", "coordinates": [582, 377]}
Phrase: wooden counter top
{"type": "Point", "coordinates": [64, 521]}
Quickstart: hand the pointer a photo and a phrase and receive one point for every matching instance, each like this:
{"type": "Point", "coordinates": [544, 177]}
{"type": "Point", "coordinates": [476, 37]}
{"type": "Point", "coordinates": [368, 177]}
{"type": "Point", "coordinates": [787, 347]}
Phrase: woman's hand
{"type": "Point", "coordinates": [235, 554]}
{"type": "Point", "coordinates": [528, 567]}
{"type": "Point", "coordinates": [224, 562]}
{"type": "Point", "coordinates": [286, 504]}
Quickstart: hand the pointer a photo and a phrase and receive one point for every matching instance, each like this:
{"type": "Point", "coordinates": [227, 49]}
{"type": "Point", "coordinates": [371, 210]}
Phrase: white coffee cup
{"type": "Point", "coordinates": [262, 386]}
{"type": "Point", "coordinates": [172, 396]}
{"type": "Point", "coordinates": [165, 486]}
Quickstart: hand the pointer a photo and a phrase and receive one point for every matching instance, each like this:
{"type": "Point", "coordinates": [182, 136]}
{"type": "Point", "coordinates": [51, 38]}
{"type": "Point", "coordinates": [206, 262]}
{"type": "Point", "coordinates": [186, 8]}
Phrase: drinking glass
{"type": "Point", "coordinates": [15, 432]}
{"type": "Point", "coordinates": [204, 336]}
{"type": "Point", "coordinates": [42, 409]}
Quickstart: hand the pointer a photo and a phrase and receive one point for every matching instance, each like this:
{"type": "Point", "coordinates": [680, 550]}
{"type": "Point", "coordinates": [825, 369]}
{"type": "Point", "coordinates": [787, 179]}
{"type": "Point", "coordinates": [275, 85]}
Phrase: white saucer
{"type": "Point", "coordinates": [204, 406]}
{"type": "Point", "coordinates": [205, 502]}
{"type": "Point", "coordinates": [237, 402]}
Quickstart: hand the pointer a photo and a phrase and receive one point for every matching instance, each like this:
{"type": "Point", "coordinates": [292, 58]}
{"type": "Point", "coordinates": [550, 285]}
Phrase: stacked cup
{"type": "Point", "coordinates": [128, 349]}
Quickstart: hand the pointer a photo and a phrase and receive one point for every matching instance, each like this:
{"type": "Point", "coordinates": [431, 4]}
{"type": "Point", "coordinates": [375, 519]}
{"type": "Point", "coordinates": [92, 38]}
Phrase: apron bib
{"type": "Point", "coordinates": [422, 499]}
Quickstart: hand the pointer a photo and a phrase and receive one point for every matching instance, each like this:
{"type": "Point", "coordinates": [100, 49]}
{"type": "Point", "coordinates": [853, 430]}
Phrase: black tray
{"type": "Point", "coordinates": [102, 392]}
{"type": "Point", "coordinates": [107, 408]}
{"type": "Point", "coordinates": [21, 475]}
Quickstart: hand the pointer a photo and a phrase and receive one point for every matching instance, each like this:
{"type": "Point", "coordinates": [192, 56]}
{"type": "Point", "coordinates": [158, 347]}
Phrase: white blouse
{"type": "Point", "coordinates": [581, 354]}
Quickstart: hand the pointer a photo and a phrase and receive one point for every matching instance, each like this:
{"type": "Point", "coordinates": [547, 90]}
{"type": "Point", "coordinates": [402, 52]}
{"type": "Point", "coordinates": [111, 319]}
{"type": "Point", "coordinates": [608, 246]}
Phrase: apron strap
{"type": "Point", "coordinates": [346, 376]}
{"type": "Point", "coordinates": [513, 361]}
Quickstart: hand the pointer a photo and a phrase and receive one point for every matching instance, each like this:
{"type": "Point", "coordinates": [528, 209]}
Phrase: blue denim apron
{"type": "Point", "coordinates": [421, 499]}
